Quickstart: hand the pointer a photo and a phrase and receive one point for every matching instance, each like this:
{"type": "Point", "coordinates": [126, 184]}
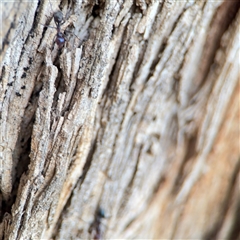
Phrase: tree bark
{"type": "Point", "coordinates": [131, 130]}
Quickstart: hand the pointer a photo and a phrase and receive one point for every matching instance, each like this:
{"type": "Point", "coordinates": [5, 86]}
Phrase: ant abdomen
{"type": "Point", "coordinates": [60, 40]}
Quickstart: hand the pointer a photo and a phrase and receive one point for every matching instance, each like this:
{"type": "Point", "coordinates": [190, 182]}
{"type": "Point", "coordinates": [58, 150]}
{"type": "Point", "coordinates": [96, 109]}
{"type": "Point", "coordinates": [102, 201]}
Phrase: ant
{"type": "Point", "coordinates": [95, 228]}
{"type": "Point", "coordinates": [59, 20]}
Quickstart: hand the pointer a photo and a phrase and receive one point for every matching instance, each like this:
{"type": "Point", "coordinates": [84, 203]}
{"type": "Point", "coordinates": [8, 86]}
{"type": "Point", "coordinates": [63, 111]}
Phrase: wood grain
{"type": "Point", "coordinates": [138, 118]}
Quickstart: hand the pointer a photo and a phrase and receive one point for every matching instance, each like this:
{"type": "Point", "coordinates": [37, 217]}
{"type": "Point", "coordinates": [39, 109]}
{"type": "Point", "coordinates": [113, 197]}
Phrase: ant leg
{"type": "Point", "coordinates": [73, 34]}
{"type": "Point", "coordinates": [47, 26]}
{"type": "Point", "coordinates": [67, 15]}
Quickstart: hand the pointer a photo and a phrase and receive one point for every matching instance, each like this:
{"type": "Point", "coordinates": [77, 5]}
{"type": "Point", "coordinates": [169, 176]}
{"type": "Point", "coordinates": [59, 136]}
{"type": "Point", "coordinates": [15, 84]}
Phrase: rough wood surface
{"type": "Point", "coordinates": [138, 117]}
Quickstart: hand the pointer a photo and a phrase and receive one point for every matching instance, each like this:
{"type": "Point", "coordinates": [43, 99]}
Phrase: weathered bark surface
{"type": "Point", "coordinates": [138, 117]}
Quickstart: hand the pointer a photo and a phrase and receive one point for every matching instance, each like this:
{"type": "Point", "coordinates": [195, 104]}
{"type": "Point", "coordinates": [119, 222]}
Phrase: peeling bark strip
{"type": "Point", "coordinates": [128, 131]}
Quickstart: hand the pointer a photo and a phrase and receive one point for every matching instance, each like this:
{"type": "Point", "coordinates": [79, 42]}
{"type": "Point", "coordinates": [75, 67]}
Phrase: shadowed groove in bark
{"type": "Point", "coordinates": [35, 23]}
{"type": "Point", "coordinates": [22, 148]}
{"type": "Point", "coordinates": [223, 18]}
{"type": "Point", "coordinates": [226, 204]}
{"type": "Point", "coordinates": [141, 124]}
{"type": "Point", "coordinates": [189, 155]}
{"type": "Point", "coordinates": [234, 231]}
{"type": "Point", "coordinates": [130, 184]}
{"type": "Point", "coordinates": [164, 44]}
{"type": "Point", "coordinates": [89, 160]}
{"type": "Point", "coordinates": [97, 8]}
{"type": "Point", "coordinates": [6, 39]}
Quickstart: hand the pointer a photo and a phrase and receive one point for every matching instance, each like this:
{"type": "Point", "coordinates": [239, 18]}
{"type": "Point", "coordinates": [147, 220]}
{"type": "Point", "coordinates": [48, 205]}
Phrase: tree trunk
{"type": "Point", "coordinates": [131, 130]}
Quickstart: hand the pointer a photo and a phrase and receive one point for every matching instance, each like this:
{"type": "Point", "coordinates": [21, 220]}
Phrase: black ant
{"type": "Point", "coordinates": [95, 228]}
{"type": "Point", "coordinates": [59, 20]}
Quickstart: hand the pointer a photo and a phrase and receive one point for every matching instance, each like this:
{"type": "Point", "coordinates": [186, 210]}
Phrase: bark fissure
{"type": "Point", "coordinates": [130, 118]}
{"type": "Point", "coordinates": [225, 205]}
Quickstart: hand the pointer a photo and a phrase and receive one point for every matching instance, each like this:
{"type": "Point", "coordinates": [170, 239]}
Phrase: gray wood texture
{"type": "Point", "coordinates": [138, 116]}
